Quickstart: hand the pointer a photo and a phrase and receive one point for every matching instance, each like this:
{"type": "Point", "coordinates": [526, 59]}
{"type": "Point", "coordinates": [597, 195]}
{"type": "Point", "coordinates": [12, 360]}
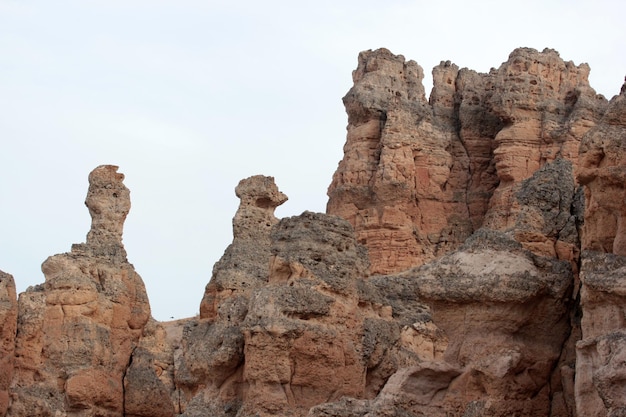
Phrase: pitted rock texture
{"type": "Point", "coordinates": [77, 330]}
{"type": "Point", "coordinates": [212, 346]}
{"type": "Point", "coordinates": [8, 330]}
{"type": "Point", "coordinates": [603, 173]}
{"type": "Point", "coordinates": [328, 332]}
{"type": "Point", "coordinates": [493, 284]}
{"type": "Point", "coordinates": [418, 177]}
{"type": "Point", "coordinates": [600, 365]}
{"type": "Point", "coordinates": [504, 313]}
{"type": "Point", "coordinates": [244, 264]}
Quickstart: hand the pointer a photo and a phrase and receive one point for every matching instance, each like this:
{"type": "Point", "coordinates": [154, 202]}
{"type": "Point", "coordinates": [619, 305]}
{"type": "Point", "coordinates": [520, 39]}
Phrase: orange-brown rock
{"type": "Point", "coordinates": [8, 329]}
{"type": "Point", "coordinates": [329, 332]}
{"type": "Point", "coordinates": [546, 106]}
{"type": "Point", "coordinates": [77, 330]}
{"type": "Point", "coordinates": [401, 165]}
{"type": "Point", "coordinates": [504, 313]}
{"type": "Point", "coordinates": [145, 394]}
{"type": "Point", "coordinates": [603, 173]}
{"type": "Point", "coordinates": [310, 331]}
{"type": "Point", "coordinates": [417, 177]}
{"type": "Point", "coordinates": [601, 352]}
{"type": "Point", "coordinates": [600, 364]}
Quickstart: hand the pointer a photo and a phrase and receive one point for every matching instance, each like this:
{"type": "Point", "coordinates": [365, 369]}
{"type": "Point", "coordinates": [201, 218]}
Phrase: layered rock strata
{"type": "Point", "coordinates": [302, 300]}
{"type": "Point", "coordinates": [418, 177]}
{"type": "Point", "coordinates": [601, 352]}
{"type": "Point", "coordinates": [77, 331]}
{"type": "Point", "coordinates": [493, 284]}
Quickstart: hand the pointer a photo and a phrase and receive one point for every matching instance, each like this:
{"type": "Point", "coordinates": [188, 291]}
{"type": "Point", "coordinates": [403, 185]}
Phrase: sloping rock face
{"type": "Point", "coordinates": [601, 353]}
{"type": "Point", "coordinates": [77, 330]}
{"type": "Point", "coordinates": [419, 177]}
{"type": "Point", "coordinates": [8, 329]}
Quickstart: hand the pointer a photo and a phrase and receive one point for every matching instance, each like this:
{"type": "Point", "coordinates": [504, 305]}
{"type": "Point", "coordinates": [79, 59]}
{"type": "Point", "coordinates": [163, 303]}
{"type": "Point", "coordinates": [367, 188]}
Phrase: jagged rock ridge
{"type": "Point", "coordinates": [419, 177]}
{"type": "Point", "coordinates": [471, 264]}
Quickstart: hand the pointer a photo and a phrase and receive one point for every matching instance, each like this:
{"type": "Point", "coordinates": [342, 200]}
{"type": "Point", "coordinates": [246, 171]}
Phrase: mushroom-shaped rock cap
{"type": "Point", "coordinates": [259, 197]}
{"type": "Point", "coordinates": [260, 191]}
{"type": "Point", "coordinates": [108, 201]}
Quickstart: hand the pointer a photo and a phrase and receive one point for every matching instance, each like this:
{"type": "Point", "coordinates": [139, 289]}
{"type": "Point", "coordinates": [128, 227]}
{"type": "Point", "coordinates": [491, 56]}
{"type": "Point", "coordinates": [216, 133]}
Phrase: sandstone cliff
{"type": "Point", "coordinates": [76, 332]}
{"type": "Point", "coordinates": [419, 177]}
{"type": "Point", "coordinates": [600, 364]}
{"type": "Point", "coordinates": [8, 318]}
{"type": "Point", "coordinates": [471, 264]}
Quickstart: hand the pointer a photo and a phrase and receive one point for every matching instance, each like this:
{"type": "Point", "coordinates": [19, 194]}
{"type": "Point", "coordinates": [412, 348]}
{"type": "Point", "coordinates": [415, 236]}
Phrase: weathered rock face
{"type": "Point", "coordinates": [305, 319]}
{"type": "Point", "coordinates": [149, 386]}
{"type": "Point", "coordinates": [419, 177]}
{"type": "Point", "coordinates": [600, 364]}
{"type": "Point", "coordinates": [8, 329]}
{"type": "Point", "coordinates": [212, 346]}
{"type": "Point", "coordinates": [602, 172]}
{"type": "Point", "coordinates": [244, 264]}
{"type": "Point", "coordinates": [503, 312]}
{"type": "Point", "coordinates": [400, 166]}
{"type": "Point", "coordinates": [494, 283]}
{"type": "Point", "coordinates": [77, 330]}
{"type": "Point", "coordinates": [304, 302]}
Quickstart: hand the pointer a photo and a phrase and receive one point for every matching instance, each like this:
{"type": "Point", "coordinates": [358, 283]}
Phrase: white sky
{"type": "Point", "coordinates": [188, 97]}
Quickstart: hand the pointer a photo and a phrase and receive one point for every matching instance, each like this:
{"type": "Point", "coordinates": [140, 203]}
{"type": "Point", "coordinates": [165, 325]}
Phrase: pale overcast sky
{"type": "Point", "coordinates": [188, 97]}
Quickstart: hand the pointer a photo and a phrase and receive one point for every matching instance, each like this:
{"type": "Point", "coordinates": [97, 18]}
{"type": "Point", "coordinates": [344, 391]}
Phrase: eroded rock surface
{"type": "Point", "coordinates": [419, 177]}
{"type": "Point", "coordinates": [504, 314]}
{"type": "Point", "coordinates": [494, 283]}
{"type": "Point", "coordinates": [8, 330]}
{"type": "Point", "coordinates": [77, 330]}
{"type": "Point", "coordinates": [244, 264]}
{"type": "Point", "coordinates": [601, 353]}
{"type": "Point", "coordinates": [209, 369]}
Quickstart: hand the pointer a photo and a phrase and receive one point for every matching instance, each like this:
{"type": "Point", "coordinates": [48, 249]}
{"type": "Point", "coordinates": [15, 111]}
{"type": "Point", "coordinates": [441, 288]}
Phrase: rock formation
{"type": "Point", "coordinates": [471, 264]}
{"type": "Point", "coordinates": [76, 332]}
{"type": "Point", "coordinates": [419, 177]}
{"type": "Point", "coordinates": [8, 329]}
{"type": "Point", "coordinates": [601, 352]}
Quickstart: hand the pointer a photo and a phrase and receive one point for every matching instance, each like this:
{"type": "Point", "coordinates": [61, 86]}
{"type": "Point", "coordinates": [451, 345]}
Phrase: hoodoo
{"type": "Point", "coordinates": [471, 263]}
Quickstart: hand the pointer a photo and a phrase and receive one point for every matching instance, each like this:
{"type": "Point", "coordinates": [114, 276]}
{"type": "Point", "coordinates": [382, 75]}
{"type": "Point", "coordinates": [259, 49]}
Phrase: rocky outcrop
{"type": "Point", "coordinates": [8, 329]}
{"type": "Point", "coordinates": [600, 364]}
{"type": "Point", "coordinates": [471, 264]}
{"type": "Point", "coordinates": [212, 349]}
{"type": "Point", "coordinates": [244, 264]}
{"type": "Point", "coordinates": [329, 333]}
{"type": "Point", "coordinates": [504, 314]}
{"type": "Point", "coordinates": [419, 177]}
{"type": "Point", "coordinates": [77, 330]}
{"type": "Point", "coordinates": [400, 166]}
